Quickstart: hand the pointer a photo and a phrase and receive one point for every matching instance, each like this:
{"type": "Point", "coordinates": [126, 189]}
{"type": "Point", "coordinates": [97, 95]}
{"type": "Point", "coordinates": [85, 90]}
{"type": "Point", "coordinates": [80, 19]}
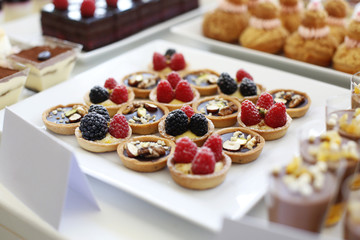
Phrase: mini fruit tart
{"type": "Point", "coordinates": [145, 153]}
{"type": "Point", "coordinates": [141, 82]}
{"type": "Point", "coordinates": [241, 144]}
{"type": "Point", "coordinates": [203, 80]}
{"type": "Point", "coordinates": [177, 124]}
{"type": "Point", "coordinates": [183, 94]}
{"type": "Point", "coordinates": [267, 118]}
{"type": "Point", "coordinates": [246, 89]}
{"type": "Point", "coordinates": [64, 119]}
{"type": "Point", "coordinates": [95, 134]}
{"type": "Point", "coordinates": [346, 122]}
{"type": "Point", "coordinates": [221, 110]}
{"type": "Point", "coordinates": [297, 103]}
{"type": "Point", "coordinates": [199, 168]}
{"type": "Point", "coordinates": [144, 116]}
{"type": "Point", "coordinates": [111, 96]}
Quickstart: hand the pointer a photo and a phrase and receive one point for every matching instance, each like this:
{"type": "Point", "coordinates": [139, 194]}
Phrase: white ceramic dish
{"type": "Point", "coordinates": [244, 184]}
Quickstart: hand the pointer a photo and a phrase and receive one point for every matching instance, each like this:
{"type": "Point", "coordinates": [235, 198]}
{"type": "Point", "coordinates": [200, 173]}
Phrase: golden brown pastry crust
{"type": "Point", "coordinates": [238, 2]}
{"type": "Point", "coordinates": [289, 3]}
{"type": "Point", "coordinates": [353, 30]}
{"type": "Point", "coordinates": [211, 89]}
{"type": "Point", "coordinates": [291, 21]}
{"type": "Point", "coordinates": [224, 26]}
{"type": "Point", "coordinates": [338, 33]}
{"type": "Point", "coordinates": [347, 59]}
{"type": "Point", "coordinates": [139, 92]}
{"type": "Point", "coordinates": [266, 10]}
{"type": "Point", "coordinates": [314, 19]}
{"type": "Point", "coordinates": [336, 8]}
{"type": "Point", "coordinates": [315, 51]}
{"type": "Point", "coordinates": [145, 166]}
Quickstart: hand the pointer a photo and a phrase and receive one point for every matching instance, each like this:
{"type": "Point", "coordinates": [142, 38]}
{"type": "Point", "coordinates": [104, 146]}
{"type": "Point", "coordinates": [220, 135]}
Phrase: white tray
{"type": "Point", "coordinates": [193, 29]}
{"type": "Point", "coordinates": [244, 185]}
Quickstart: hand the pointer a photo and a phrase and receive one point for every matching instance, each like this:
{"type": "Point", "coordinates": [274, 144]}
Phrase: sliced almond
{"type": "Point", "coordinates": [212, 108]}
{"type": "Point", "coordinates": [74, 118]}
{"type": "Point", "coordinates": [231, 145]}
{"type": "Point", "coordinates": [141, 112]}
{"type": "Point", "coordinates": [131, 150]}
{"type": "Point", "coordinates": [150, 107]}
{"type": "Point", "coordinates": [212, 79]}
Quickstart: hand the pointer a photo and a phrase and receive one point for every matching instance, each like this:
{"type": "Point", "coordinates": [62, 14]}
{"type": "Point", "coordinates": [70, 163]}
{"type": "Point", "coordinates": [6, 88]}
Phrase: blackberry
{"type": "Point", "coordinates": [247, 87]}
{"type": "Point", "coordinates": [93, 126]}
{"type": "Point", "coordinates": [198, 124]}
{"type": "Point", "coordinates": [100, 110]}
{"type": "Point", "coordinates": [98, 94]}
{"type": "Point", "coordinates": [169, 53]}
{"type": "Point", "coordinates": [226, 84]}
{"type": "Point", "coordinates": [176, 123]}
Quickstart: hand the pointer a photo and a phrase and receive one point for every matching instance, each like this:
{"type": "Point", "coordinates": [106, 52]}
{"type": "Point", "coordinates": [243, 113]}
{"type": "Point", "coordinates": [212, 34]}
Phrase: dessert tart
{"type": "Point", "coordinates": [145, 153]}
{"type": "Point", "coordinates": [64, 119]}
{"type": "Point", "coordinates": [170, 61]}
{"type": "Point", "coordinates": [203, 80]}
{"type": "Point", "coordinates": [144, 116]}
{"type": "Point", "coordinates": [346, 122]}
{"type": "Point", "coordinates": [297, 103]}
{"type": "Point", "coordinates": [221, 110]}
{"type": "Point", "coordinates": [241, 144]}
{"type": "Point", "coordinates": [141, 82]}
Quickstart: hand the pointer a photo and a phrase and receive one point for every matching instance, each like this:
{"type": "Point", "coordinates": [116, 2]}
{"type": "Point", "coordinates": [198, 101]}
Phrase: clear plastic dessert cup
{"type": "Point", "coordinates": [355, 90]}
{"type": "Point", "coordinates": [351, 191]}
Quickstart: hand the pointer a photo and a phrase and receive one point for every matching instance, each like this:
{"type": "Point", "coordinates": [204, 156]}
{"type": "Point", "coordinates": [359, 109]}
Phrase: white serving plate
{"type": "Point", "coordinates": [244, 185]}
{"type": "Point", "coordinates": [193, 29]}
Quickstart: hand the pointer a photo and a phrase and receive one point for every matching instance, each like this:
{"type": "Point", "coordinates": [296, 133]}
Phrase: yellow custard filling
{"type": "Point", "coordinates": [188, 134]}
{"type": "Point", "coordinates": [108, 139]}
{"type": "Point", "coordinates": [175, 101]}
{"type": "Point", "coordinates": [186, 167]}
{"type": "Point", "coordinates": [354, 126]}
{"type": "Point", "coordinates": [108, 103]}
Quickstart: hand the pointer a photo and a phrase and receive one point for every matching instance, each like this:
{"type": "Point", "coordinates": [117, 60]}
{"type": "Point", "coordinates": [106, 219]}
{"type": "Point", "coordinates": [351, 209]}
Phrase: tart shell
{"type": "Point", "coordinates": [139, 92]}
{"type": "Point", "coordinates": [199, 182]}
{"type": "Point", "coordinates": [260, 87]}
{"type": "Point", "coordinates": [209, 90]}
{"type": "Point", "coordinates": [163, 73]}
{"type": "Point", "coordinates": [145, 166]}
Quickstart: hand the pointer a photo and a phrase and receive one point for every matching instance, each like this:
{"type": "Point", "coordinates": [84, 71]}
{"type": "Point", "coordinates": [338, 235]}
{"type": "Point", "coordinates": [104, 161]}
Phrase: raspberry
{"type": "Point", "coordinates": [204, 161]}
{"type": "Point", "coordinates": [226, 84]}
{"type": "Point", "coordinates": [87, 8]}
{"type": "Point", "coordinates": [111, 3]}
{"type": "Point", "coordinates": [164, 92]}
{"type": "Point", "coordinates": [276, 116]}
{"type": "Point", "coordinates": [93, 126]}
{"type": "Point", "coordinates": [240, 74]}
{"type": "Point", "coordinates": [119, 127]}
{"type": "Point", "coordinates": [119, 94]}
{"type": "Point", "coordinates": [177, 62]}
{"type": "Point", "coordinates": [183, 91]}
{"type": "Point", "coordinates": [110, 83]}
{"type": "Point", "coordinates": [185, 150]}
{"type": "Point", "coordinates": [214, 142]}
{"type": "Point", "coordinates": [249, 113]}
{"type": "Point", "coordinates": [173, 78]}
{"type": "Point", "coordinates": [61, 4]}
{"type": "Point", "coordinates": [189, 111]}
{"type": "Point", "coordinates": [159, 62]}
{"type": "Point", "coordinates": [176, 122]}
{"type": "Point", "coordinates": [265, 101]}
{"type": "Point", "coordinates": [198, 124]}
{"type": "Point", "coordinates": [100, 109]}
{"type": "Point", "coordinates": [98, 94]}
{"type": "Point", "coordinates": [247, 87]}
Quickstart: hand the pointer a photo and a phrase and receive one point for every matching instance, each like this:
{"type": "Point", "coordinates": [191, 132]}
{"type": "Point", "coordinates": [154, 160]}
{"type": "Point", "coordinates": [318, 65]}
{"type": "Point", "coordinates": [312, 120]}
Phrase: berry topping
{"type": "Point", "coordinates": [214, 142]}
{"type": "Point", "coordinates": [169, 53]}
{"type": "Point", "coordinates": [110, 83]}
{"type": "Point", "coordinates": [177, 62]}
{"type": "Point", "coordinates": [87, 8]}
{"type": "Point", "coordinates": [112, 3]}
{"type": "Point", "coordinates": [227, 84]}
{"type": "Point", "coordinates": [276, 116]}
{"type": "Point", "coordinates": [198, 124]}
{"type": "Point", "coordinates": [240, 74]}
{"type": "Point", "coordinates": [248, 87]}
{"type": "Point", "coordinates": [93, 126]}
{"type": "Point", "coordinates": [159, 61]}
{"type": "Point", "coordinates": [173, 78]}
{"type": "Point", "coordinates": [265, 101]}
{"type": "Point", "coordinates": [119, 127]}
{"type": "Point", "coordinates": [98, 94]}
{"type": "Point", "coordinates": [183, 91]}
{"type": "Point", "coordinates": [176, 123]}
{"type": "Point", "coordinates": [204, 161]}
{"type": "Point", "coordinates": [185, 150]}
{"type": "Point", "coordinates": [189, 111]}
{"type": "Point", "coordinates": [249, 113]}
{"type": "Point", "coordinates": [119, 94]}
{"type": "Point", "coordinates": [61, 4]}
{"type": "Point", "coordinates": [100, 110]}
{"type": "Point", "coordinates": [164, 92]}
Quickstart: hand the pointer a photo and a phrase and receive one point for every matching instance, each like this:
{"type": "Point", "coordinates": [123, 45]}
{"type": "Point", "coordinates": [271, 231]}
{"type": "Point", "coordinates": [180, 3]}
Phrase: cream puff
{"type": "Point", "coordinates": [291, 13]}
{"type": "Point", "coordinates": [337, 11]}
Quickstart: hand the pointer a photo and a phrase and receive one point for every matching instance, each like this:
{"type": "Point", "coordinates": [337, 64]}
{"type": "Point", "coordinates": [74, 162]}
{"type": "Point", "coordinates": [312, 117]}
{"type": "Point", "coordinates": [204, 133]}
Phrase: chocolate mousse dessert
{"type": "Point", "coordinates": [352, 216]}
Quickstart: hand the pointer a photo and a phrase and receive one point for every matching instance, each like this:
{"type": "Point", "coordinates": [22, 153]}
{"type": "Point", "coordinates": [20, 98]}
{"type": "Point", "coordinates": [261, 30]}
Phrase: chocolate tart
{"type": "Point", "coordinates": [98, 146]}
{"type": "Point", "coordinates": [112, 107]}
{"type": "Point", "coordinates": [147, 128]}
{"type": "Point", "coordinates": [237, 94]}
{"type": "Point", "coordinates": [299, 110]}
{"type": "Point", "coordinates": [172, 107]}
{"type": "Point", "coordinates": [150, 165]}
{"type": "Point", "coordinates": [198, 140]}
{"type": "Point", "coordinates": [141, 92]}
{"type": "Point", "coordinates": [64, 127]}
{"type": "Point", "coordinates": [269, 133]}
{"type": "Point", "coordinates": [241, 156]}
{"type": "Point", "coordinates": [219, 121]}
{"type": "Point", "coordinates": [197, 181]}
{"type": "Point", "coordinates": [204, 88]}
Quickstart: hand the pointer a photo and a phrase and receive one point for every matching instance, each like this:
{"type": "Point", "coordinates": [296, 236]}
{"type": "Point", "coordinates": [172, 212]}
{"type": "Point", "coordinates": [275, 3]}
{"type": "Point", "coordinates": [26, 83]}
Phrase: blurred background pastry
{"type": "Point", "coordinates": [252, 5]}
{"type": "Point", "coordinates": [337, 12]}
{"type": "Point", "coordinates": [291, 13]}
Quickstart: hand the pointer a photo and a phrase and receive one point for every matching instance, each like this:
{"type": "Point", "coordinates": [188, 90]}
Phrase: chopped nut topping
{"type": "Point", "coordinates": [146, 149]}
